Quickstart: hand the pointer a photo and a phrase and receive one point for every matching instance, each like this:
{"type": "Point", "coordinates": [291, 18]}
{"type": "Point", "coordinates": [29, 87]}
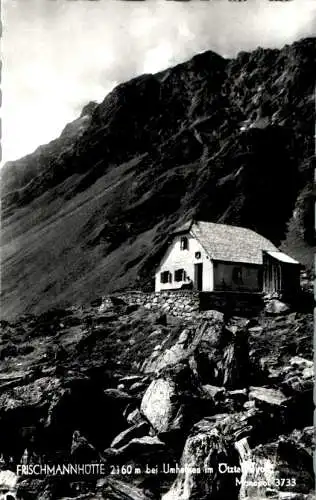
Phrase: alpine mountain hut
{"type": "Point", "coordinates": [210, 257]}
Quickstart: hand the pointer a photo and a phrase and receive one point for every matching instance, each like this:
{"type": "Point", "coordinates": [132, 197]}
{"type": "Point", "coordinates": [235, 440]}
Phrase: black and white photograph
{"type": "Point", "coordinates": [157, 249]}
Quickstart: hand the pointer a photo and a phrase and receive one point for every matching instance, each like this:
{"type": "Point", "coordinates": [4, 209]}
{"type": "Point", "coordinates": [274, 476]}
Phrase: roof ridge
{"type": "Point", "coordinates": [235, 226]}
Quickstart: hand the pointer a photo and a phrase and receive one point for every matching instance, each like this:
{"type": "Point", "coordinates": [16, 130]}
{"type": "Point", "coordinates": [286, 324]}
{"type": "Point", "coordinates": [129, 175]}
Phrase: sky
{"type": "Point", "coordinates": [60, 54]}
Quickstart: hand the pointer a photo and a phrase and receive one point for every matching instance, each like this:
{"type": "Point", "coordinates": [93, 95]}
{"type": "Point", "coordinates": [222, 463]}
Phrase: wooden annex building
{"type": "Point", "coordinates": [210, 257]}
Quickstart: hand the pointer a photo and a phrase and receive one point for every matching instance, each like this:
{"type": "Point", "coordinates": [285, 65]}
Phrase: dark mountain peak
{"type": "Point", "coordinates": [89, 109]}
{"type": "Point", "coordinates": [300, 46]}
{"type": "Point", "coordinates": [207, 60]}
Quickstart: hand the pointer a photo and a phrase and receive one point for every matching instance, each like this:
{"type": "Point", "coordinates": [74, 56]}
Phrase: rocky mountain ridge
{"type": "Point", "coordinates": [221, 140]}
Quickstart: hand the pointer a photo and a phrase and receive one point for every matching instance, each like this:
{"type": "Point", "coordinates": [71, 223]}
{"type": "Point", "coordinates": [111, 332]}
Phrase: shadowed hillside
{"type": "Point", "coordinates": [222, 140]}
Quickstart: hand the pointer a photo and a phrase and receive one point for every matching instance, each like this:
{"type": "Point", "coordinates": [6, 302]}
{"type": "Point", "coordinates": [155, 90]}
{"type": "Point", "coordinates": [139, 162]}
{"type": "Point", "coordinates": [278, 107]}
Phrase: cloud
{"type": "Point", "coordinates": [60, 54]}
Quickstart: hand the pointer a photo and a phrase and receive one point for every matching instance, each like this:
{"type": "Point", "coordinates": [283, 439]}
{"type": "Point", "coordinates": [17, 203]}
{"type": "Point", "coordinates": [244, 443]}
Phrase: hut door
{"type": "Point", "coordinates": [272, 276]}
{"type": "Point", "coordinates": [198, 276]}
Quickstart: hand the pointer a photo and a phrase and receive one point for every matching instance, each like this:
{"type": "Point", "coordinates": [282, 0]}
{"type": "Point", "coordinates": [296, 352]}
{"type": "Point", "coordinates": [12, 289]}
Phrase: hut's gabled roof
{"type": "Point", "coordinates": [184, 228]}
{"type": "Point", "coordinates": [229, 243]}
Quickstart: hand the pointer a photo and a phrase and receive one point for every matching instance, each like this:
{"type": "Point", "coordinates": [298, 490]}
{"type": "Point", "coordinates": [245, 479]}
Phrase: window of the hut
{"type": "Point", "coordinates": [165, 277]}
{"type": "Point", "coordinates": [184, 244]}
{"type": "Point", "coordinates": [237, 275]}
{"type": "Point", "coordinates": [180, 275]}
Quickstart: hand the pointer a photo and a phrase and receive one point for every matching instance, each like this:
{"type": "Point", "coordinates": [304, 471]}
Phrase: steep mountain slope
{"type": "Point", "coordinates": [223, 140]}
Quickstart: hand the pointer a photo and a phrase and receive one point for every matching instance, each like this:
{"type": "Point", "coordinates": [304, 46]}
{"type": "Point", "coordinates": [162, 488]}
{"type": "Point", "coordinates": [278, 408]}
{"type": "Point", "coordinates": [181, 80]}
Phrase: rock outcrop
{"type": "Point", "coordinates": [226, 410]}
{"type": "Point", "coordinates": [173, 401]}
{"type": "Point", "coordinates": [206, 453]}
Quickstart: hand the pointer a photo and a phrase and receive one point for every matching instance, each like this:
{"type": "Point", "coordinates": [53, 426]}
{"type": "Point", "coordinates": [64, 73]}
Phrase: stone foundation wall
{"type": "Point", "coordinates": [182, 303]}
{"type": "Point", "coordinates": [238, 303]}
{"type": "Point", "coordinates": [189, 303]}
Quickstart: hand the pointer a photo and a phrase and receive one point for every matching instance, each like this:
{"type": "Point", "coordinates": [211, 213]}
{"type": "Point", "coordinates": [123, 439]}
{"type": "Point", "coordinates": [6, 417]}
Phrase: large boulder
{"type": "Point", "coordinates": [213, 392]}
{"type": "Point", "coordinates": [292, 406]}
{"type": "Point", "coordinates": [158, 405]}
{"type": "Point", "coordinates": [275, 307]}
{"type": "Point", "coordinates": [30, 395]}
{"type": "Point", "coordinates": [202, 473]}
{"type": "Point", "coordinates": [24, 410]}
{"type": "Point", "coordinates": [173, 401]}
{"type": "Point", "coordinates": [135, 431]}
{"type": "Point", "coordinates": [219, 350]}
{"type": "Point", "coordinates": [221, 354]}
{"type": "Point", "coordinates": [185, 345]}
{"type": "Point", "coordinates": [162, 358]}
{"type": "Point", "coordinates": [8, 483]}
{"type": "Point", "coordinates": [282, 468]}
{"type": "Point", "coordinates": [267, 398]}
{"type": "Point", "coordinates": [295, 382]}
{"type": "Point", "coordinates": [139, 446]}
